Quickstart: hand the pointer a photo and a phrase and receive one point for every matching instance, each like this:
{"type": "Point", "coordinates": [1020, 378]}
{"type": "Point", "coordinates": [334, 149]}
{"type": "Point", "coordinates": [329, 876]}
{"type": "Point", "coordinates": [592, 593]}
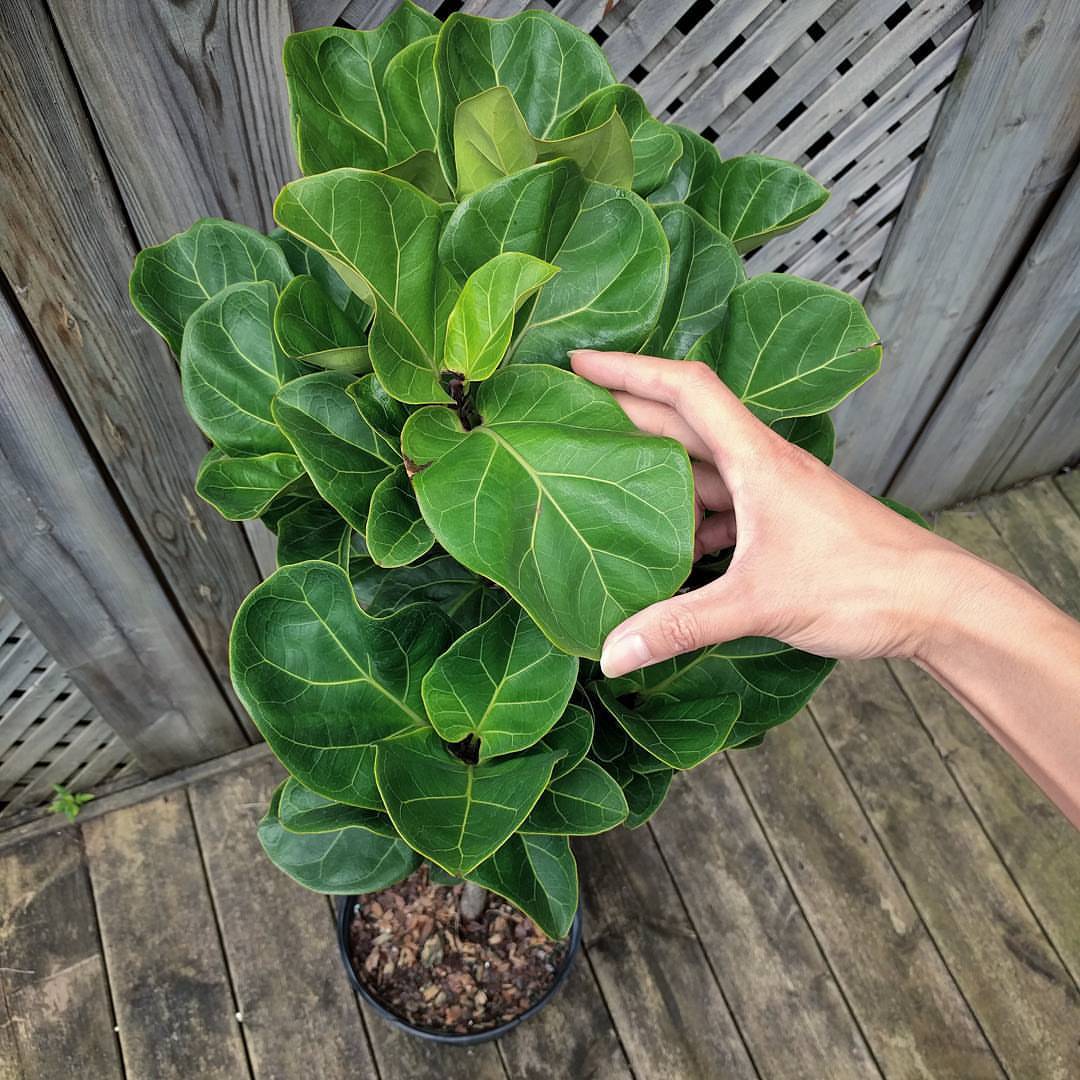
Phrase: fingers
{"type": "Point", "coordinates": [704, 617]}
{"type": "Point", "coordinates": [716, 533]}
{"type": "Point", "coordinates": [659, 419]}
{"type": "Point", "coordinates": [710, 489]}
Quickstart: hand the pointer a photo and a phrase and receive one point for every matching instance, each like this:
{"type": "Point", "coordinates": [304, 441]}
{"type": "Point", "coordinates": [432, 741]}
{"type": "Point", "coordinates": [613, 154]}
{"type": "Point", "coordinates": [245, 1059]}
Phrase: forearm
{"type": "Point", "coordinates": [1013, 660]}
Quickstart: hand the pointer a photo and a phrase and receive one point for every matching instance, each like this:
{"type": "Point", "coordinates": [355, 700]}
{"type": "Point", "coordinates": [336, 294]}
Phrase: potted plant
{"type": "Point", "coordinates": [461, 520]}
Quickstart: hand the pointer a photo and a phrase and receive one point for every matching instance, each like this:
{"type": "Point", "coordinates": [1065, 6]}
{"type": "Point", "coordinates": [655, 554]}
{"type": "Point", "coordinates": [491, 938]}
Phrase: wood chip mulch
{"type": "Point", "coordinates": [410, 947]}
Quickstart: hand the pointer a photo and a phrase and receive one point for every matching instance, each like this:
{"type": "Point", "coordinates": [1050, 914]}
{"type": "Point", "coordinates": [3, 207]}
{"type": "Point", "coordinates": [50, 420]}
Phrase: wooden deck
{"type": "Point", "coordinates": [876, 891]}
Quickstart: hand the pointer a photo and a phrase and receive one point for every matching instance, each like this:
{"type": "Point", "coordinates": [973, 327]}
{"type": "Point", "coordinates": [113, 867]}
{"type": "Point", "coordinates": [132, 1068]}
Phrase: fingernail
{"type": "Point", "coordinates": [624, 654]}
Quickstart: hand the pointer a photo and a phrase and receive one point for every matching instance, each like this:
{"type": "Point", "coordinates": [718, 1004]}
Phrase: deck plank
{"type": "Point", "coordinates": [405, 1057]}
{"type": "Point", "coordinates": [299, 1015]}
{"type": "Point", "coordinates": [749, 920]}
{"type": "Point", "coordinates": [52, 975]}
{"type": "Point", "coordinates": [174, 1007]}
{"type": "Point", "coordinates": [667, 1006]}
{"type": "Point", "coordinates": [972, 908]}
{"type": "Point", "coordinates": [913, 1015]}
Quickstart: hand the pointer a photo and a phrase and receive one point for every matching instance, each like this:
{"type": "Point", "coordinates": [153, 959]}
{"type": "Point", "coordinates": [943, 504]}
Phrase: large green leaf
{"type": "Point", "coordinates": [304, 259]}
{"type": "Point", "coordinates": [603, 153]}
{"type": "Point", "coordinates": [570, 738]}
{"type": "Point", "coordinates": [815, 434]}
{"type": "Point", "coordinates": [538, 875]}
{"type": "Point", "coordinates": [681, 710]}
{"type": "Point", "coordinates": [231, 368]}
{"type": "Point", "coordinates": [345, 431]}
{"type": "Point", "coordinates": [311, 327]}
{"type": "Point", "coordinates": [413, 97]}
{"type": "Point", "coordinates": [502, 682]}
{"type": "Point", "coordinates": [762, 197]}
{"type": "Point", "coordinates": [491, 140]}
{"type": "Point", "coordinates": [301, 810]}
{"type": "Point", "coordinates": [548, 65]}
{"type": "Point", "coordinates": [582, 802]}
{"type": "Point", "coordinates": [381, 234]}
{"type": "Point", "coordinates": [655, 147]}
{"type": "Point", "coordinates": [695, 178]}
{"type": "Point", "coordinates": [345, 861]}
{"type": "Point", "coordinates": [791, 347]}
{"type": "Point", "coordinates": [645, 792]}
{"type": "Point", "coordinates": [338, 91]}
{"type": "Point", "coordinates": [455, 814]}
{"type": "Point", "coordinates": [608, 245]}
{"type": "Point", "coordinates": [396, 532]}
{"type": "Point", "coordinates": [480, 326]}
{"type": "Point", "coordinates": [169, 281]}
{"type": "Point", "coordinates": [313, 530]}
{"type": "Point", "coordinates": [323, 680]}
{"type": "Point", "coordinates": [556, 475]}
{"type": "Point", "coordinates": [243, 487]}
{"type": "Point", "coordinates": [704, 269]}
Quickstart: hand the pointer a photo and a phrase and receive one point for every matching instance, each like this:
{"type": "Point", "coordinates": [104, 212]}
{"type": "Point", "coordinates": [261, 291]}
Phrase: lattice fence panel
{"type": "Point", "coordinates": [847, 88]}
{"type": "Point", "coordinates": [49, 733]}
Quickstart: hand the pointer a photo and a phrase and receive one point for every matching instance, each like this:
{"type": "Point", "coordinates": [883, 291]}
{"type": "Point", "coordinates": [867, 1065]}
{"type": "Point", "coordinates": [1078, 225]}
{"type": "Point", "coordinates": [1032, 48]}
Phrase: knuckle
{"type": "Point", "coordinates": [697, 376]}
{"type": "Point", "coordinates": [679, 629]}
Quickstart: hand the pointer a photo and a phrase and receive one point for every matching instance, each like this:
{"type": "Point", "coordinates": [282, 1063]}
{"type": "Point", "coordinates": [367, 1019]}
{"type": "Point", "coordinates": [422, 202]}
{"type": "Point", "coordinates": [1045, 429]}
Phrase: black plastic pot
{"type": "Point", "coordinates": [344, 920]}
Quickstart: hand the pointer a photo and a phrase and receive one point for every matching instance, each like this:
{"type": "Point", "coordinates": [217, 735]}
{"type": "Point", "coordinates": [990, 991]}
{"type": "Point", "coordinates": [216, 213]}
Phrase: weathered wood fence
{"type": "Point", "coordinates": [947, 130]}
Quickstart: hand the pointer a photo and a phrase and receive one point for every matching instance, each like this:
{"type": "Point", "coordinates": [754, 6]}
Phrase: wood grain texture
{"type": "Point", "coordinates": [1019, 367]}
{"type": "Point", "coordinates": [748, 919]}
{"type": "Point", "coordinates": [907, 1004]}
{"type": "Point", "coordinates": [404, 1057]}
{"type": "Point", "coordinates": [52, 976]}
{"type": "Point", "coordinates": [1037, 844]}
{"type": "Point", "coordinates": [66, 250]}
{"type": "Point", "coordinates": [367, 14]}
{"type": "Point", "coordinates": [277, 937]}
{"type": "Point", "coordinates": [308, 14]}
{"type": "Point", "coordinates": [977, 917]}
{"type": "Point", "coordinates": [1003, 145]}
{"type": "Point", "coordinates": [649, 963]}
{"type": "Point", "coordinates": [174, 1007]}
{"type": "Point", "coordinates": [1068, 483]}
{"type": "Point", "coordinates": [72, 568]}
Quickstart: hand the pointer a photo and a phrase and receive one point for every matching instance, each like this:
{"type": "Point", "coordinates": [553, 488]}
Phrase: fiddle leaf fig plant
{"type": "Point", "coordinates": [461, 520]}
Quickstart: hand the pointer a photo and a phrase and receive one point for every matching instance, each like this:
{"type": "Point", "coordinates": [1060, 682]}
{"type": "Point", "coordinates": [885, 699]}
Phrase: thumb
{"type": "Point", "coordinates": [705, 616]}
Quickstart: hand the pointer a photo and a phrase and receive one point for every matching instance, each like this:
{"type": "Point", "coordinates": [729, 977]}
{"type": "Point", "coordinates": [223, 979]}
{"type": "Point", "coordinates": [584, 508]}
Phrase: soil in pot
{"type": "Point", "coordinates": [414, 952]}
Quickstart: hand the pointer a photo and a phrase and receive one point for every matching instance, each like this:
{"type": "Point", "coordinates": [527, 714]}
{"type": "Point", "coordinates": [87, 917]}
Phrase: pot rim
{"type": "Point", "coordinates": [344, 921]}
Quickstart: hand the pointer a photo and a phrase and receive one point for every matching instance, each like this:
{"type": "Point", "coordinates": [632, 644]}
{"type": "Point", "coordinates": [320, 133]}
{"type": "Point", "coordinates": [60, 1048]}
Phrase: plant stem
{"type": "Point", "coordinates": [473, 900]}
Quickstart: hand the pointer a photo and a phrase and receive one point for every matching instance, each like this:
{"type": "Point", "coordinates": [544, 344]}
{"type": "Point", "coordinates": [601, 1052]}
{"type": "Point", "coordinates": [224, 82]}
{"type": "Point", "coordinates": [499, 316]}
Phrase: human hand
{"type": "Point", "coordinates": [818, 564]}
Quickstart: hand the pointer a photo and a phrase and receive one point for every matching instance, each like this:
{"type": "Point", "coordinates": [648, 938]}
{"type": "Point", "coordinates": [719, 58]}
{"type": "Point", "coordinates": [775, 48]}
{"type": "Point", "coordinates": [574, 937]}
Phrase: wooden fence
{"type": "Point", "coordinates": [947, 131]}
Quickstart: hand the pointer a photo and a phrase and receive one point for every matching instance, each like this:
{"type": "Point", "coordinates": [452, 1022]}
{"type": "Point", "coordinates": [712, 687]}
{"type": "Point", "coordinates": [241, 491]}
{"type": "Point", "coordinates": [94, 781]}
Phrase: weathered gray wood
{"type": "Point", "coordinates": [52, 976]}
{"type": "Point", "coordinates": [749, 920]}
{"type": "Point", "coordinates": [367, 14]}
{"type": "Point", "coordinates": [977, 917]}
{"type": "Point", "coordinates": [280, 943]}
{"type": "Point", "coordinates": [1011, 378]}
{"type": "Point", "coordinates": [494, 9]}
{"type": "Point", "coordinates": [1068, 483]}
{"type": "Point", "coordinates": [908, 1007]}
{"type": "Point", "coordinates": [405, 1057]}
{"type": "Point", "coordinates": [1035, 841]}
{"type": "Point", "coordinates": [66, 249]}
{"type": "Point", "coordinates": [308, 14]}
{"type": "Point", "coordinates": [1003, 144]}
{"type": "Point", "coordinates": [41, 693]}
{"type": "Point", "coordinates": [666, 1004]}
{"type": "Point", "coordinates": [174, 1008]}
{"type": "Point", "coordinates": [584, 13]}
{"type": "Point", "coordinates": [73, 570]}
{"type": "Point", "coordinates": [42, 739]}
{"type": "Point", "coordinates": [645, 24]}
{"type": "Point", "coordinates": [17, 663]}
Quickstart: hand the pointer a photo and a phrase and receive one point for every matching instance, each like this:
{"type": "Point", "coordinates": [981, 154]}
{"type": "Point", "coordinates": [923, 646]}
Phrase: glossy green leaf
{"type": "Point", "coordinates": [381, 234]}
{"type": "Point", "coordinates": [338, 91]}
{"type": "Point", "coordinates": [305, 260]}
{"type": "Point", "coordinates": [481, 324]}
{"type": "Point", "coordinates": [685, 709]}
{"type": "Point", "coordinates": [301, 810]}
{"type": "Point", "coordinates": [502, 682]}
{"type": "Point", "coordinates": [345, 432]}
{"type": "Point", "coordinates": [423, 172]}
{"type": "Point", "coordinates": [614, 749]}
{"type": "Point", "coordinates": [537, 874]}
{"type": "Point", "coordinates": [655, 147]}
{"type": "Point", "coordinates": [609, 247]}
{"type": "Point", "coordinates": [412, 97]}
{"type": "Point", "coordinates": [570, 738]}
{"type": "Point", "coordinates": [556, 470]}
{"type": "Point", "coordinates": [815, 434]}
{"type": "Point", "coordinates": [324, 681]}
{"type": "Point", "coordinates": [169, 281]}
{"type": "Point", "coordinates": [791, 347]}
{"type": "Point", "coordinates": [231, 368]}
{"type": "Point", "coordinates": [456, 815]}
{"type": "Point", "coordinates": [243, 487]}
{"type": "Point", "coordinates": [343, 862]}
{"type": "Point", "coordinates": [603, 153]}
{"type": "Point", "coordinates": [704, 269]}
{"type": "Point", "coordinates": [313, 530]}
{"type": "Point", "coordinates": [299, 493]}
{"type": "Point", "coordinates": [491, 140]}
{"type": "Point", "coordinates": [548, 65]}
{"type": "Point", "coordinates": [645, 793]}
{"type": "Point", "coordinates": [762, 197]}
{"type": "Point", "coordinates": [310, 327]}
{"type": "Point", "coordinates": [695, 178]}
{"type": "Point", "coordinates": [905, 511]}
{"type": "Point", "coordinates": [396, 532]}
{"type": "Point", "coordinates": [581, 802]}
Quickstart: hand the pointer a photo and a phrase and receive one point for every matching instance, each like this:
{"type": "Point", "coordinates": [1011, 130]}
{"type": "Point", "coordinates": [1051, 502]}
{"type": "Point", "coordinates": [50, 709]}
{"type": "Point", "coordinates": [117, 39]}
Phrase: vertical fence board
{"type": "Point", "coordinates": [66, 250]}
{"type": "Point", "coordinates": [1004, 142]}
{"type": "Point", "coordinates": [1016, 372]}
{"type": "Point", "coordinates": [70, 566]}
